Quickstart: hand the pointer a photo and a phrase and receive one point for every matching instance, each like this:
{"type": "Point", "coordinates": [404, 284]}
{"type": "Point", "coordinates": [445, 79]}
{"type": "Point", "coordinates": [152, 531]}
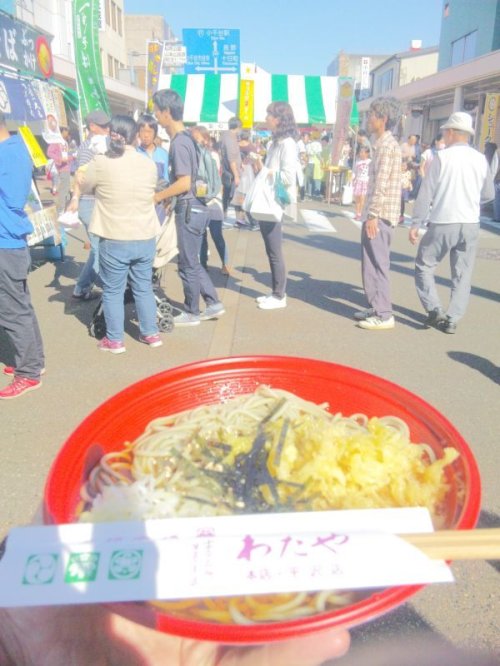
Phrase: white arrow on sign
{"type": "Point", "coordinates": [219, 69]}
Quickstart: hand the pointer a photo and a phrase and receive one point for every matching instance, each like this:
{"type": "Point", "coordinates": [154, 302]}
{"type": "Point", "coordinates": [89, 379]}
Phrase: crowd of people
{"type": "Point", "coordinates": [122, 233]}
{"type": "Point", "coordinates": [191, 187]}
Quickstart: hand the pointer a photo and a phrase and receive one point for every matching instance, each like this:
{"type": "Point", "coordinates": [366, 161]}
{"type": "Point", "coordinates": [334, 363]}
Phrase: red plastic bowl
{"type": "Point", "coordinates": [125, 415]}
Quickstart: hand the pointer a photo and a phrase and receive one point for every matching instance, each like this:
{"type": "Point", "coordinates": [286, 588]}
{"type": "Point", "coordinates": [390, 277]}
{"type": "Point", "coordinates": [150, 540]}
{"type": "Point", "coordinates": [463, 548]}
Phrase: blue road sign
{"type": "Point", "coordinates": [212, 51]}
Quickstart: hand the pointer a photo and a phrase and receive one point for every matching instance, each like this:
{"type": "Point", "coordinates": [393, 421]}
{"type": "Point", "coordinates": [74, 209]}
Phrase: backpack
{"type": "Point", "coordinates": [207, 174]}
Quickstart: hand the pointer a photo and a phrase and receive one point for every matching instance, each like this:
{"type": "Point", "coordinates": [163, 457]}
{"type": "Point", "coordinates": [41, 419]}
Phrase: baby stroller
{"type": "Point", "coordinates": [164, 315]}
{"type": "Point", "coordinates": [166, 249]}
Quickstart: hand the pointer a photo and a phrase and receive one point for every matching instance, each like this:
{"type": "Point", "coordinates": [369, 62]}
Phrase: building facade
{"type": "Point", "coordinates": [468, 30]}
{"type": "Point", "coordinates": [468, 76]}
{"type": "Point", "coordinates": [112, 39]}
{"type": "Point", "coordinates": [55, 17]}
{"type": "Point", "coordinates": [139, 29]}
{"type": "Point", "coordinates": [403, 68]}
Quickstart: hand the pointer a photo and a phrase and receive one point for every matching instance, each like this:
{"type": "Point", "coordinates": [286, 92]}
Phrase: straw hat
{"type": "Point", "coordinates": [459, 121]}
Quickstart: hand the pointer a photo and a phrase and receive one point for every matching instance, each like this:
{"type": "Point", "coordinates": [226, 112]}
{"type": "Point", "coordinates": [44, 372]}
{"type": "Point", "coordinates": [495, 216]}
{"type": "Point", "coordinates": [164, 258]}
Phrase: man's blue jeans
{"type": "Point", "coordinates": [89, 274]}
{"type": "Point", "coordinates": [119, 260]}
{"type": "Point", "coordinates": [215, 227]}
{"type": "Point", "coordinates": [195, 279]}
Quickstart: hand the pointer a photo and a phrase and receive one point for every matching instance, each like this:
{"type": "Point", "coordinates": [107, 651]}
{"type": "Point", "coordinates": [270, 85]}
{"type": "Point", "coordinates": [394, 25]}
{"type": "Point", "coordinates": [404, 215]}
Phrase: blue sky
{"type": "Point", "coordinates": [304, 36]}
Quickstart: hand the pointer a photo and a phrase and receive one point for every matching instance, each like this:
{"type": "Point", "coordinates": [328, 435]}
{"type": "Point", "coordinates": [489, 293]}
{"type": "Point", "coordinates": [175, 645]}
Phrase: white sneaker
{"type": "Point", "coordinates": [377, 324]}
{"type": "Point", "coordinates": [259, 299]}
{"type": "Point", "coordinates": [187, 319]}
{"type": "Point", "coordinates": [364, 314]}
{"type": "Point", "coordinates": [272, 303]}
{"type": "Point", "coordinates": [212, 312]}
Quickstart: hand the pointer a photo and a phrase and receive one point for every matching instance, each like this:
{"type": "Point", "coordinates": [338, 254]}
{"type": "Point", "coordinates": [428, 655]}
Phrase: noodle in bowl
{"type": "Point", "coordinates": [253, 435]}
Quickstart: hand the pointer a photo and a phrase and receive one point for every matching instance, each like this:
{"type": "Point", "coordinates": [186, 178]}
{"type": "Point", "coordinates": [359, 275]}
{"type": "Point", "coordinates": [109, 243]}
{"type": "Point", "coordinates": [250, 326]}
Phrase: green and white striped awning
{"type": "Point", "coordinates": [208, 98]}
{"type": "Point", "coordinates": [312, 98]}
{"type": "Point", "coordinates": [213, 98]}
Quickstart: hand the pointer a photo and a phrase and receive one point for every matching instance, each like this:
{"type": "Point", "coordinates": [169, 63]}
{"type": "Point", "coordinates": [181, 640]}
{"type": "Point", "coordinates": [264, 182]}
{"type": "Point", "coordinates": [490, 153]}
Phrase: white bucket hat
{"type": "Point", "coordinates": [459, 121]}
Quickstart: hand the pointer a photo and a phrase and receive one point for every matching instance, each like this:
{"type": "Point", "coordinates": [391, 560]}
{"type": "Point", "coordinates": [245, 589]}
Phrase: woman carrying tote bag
{"type": "Point", "coordinates": [281, 169]}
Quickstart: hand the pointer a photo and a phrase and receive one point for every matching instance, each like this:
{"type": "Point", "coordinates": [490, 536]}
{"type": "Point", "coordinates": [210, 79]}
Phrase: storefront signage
{"type": "Point", "coordinates": [344, 108]}
{"type": "Point", "coordinates": [174, 55]}
{"type": "Point", "coordinates": [490, 116]}
{"type": "Point", "coordinates": [102, 16]}
{"type": "Point", "coordinates": [23, 48]}
{"type": "Point", "coordinates": [44, 223]}
{"type": "Point", "coordinates": [44, 220]}
{"type": "Point", "coordinates": [34, 148]}
{"type": "Point", "coordinates": [155, 50]}
{"type": "Point", "coordinates": [364, 86]}
{"type": "Point", "coordinates": [88, 64]}
{"type": "Point", "coordinates": [55, 114]}
{"type": "Point", "coordinates": [246, 103]}
{"type": "Point", "coordinates": [19, 100]}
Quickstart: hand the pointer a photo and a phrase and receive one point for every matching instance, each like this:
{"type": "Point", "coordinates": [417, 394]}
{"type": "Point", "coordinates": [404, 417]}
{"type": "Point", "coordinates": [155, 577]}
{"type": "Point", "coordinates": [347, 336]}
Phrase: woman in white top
{"type": "Point", "coordinates": [282, 163]}
{"type": "Point", "coordinates": [491, 154]}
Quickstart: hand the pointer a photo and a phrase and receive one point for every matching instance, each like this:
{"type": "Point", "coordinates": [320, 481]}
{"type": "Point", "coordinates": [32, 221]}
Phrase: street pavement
{"type": "Point", "coordinates": [458, 374]}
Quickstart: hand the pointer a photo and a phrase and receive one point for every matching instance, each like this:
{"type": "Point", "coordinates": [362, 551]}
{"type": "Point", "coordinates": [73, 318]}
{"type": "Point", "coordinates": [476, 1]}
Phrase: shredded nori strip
{"type": "Point", "coordinates": [220, 445]}
{"type": "Point", "coordinates": [281, 442]}
{"type": "Point", "coordinates": [241, 483]}
{"type": "Point", "coordinates": [279, 404]}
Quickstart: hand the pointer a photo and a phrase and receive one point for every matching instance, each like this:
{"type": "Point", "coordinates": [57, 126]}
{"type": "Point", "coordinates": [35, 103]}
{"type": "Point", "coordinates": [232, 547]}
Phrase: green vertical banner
{"type": "Point", "coordinates": [89, 79]}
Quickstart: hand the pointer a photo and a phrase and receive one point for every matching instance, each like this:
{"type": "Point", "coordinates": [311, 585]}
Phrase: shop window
{"type": "Point", "coordinates": [119, 21]}
{"type": "Point", "coordinates": [463, 49]}
{"type": "Point", "coordinates": [384, 82]}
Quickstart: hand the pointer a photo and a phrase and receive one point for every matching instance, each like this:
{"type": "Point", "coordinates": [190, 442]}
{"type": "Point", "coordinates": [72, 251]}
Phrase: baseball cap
{"type": "Point", "coordinates": [98, 117]}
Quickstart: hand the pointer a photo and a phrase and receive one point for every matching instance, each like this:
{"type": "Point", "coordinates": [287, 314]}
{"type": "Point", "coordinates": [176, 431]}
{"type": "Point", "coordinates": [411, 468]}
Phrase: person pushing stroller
{"type": "Point", "coordinates": [127, 230]}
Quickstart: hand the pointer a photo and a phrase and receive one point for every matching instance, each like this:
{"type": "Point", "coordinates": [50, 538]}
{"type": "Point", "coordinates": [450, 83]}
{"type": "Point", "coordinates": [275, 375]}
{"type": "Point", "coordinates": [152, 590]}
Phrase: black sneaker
{"type": "Point", "coordinates": [85, 296]}
{"type": "Point", "coordinates": [447, 326]}
{"type": "Point", "coordinates": [435, 318]}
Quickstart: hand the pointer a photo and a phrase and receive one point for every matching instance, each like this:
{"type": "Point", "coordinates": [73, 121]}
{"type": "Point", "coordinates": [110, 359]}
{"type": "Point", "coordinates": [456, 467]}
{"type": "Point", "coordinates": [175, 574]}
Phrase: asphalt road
{"type": "Point", "coordinates": [459, 374]}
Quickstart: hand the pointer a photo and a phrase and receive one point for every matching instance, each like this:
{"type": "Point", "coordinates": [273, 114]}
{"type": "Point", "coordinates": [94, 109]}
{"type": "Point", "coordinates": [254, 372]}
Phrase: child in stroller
{"type": "Point", "coordinates": [166, 249]}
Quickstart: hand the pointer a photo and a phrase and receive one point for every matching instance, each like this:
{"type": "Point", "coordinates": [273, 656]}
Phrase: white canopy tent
{"type": "Point", "coordinates": [213, 98]}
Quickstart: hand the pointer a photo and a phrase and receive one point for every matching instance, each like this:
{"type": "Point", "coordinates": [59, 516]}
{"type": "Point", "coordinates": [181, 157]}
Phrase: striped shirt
{"type": "Point", "coordinates": [85, 155]}
{"type": "Point", "coordinates": [383, 199]}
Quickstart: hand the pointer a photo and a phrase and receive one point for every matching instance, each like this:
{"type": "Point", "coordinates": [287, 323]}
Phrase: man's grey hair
{"type": "Point", "coordinates": [387, 107]}
{"type": "Point", "coordinates": [3, 122]}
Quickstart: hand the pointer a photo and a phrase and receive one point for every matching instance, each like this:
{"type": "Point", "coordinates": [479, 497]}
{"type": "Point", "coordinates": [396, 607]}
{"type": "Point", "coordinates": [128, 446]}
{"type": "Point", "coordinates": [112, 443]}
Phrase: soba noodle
{"type": "Point", "coordinates": [264, 452]}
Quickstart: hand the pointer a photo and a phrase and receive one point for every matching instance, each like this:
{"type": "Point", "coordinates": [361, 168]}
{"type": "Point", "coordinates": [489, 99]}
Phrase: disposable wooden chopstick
{"type": "Point", "coordinates": [458, 544]}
